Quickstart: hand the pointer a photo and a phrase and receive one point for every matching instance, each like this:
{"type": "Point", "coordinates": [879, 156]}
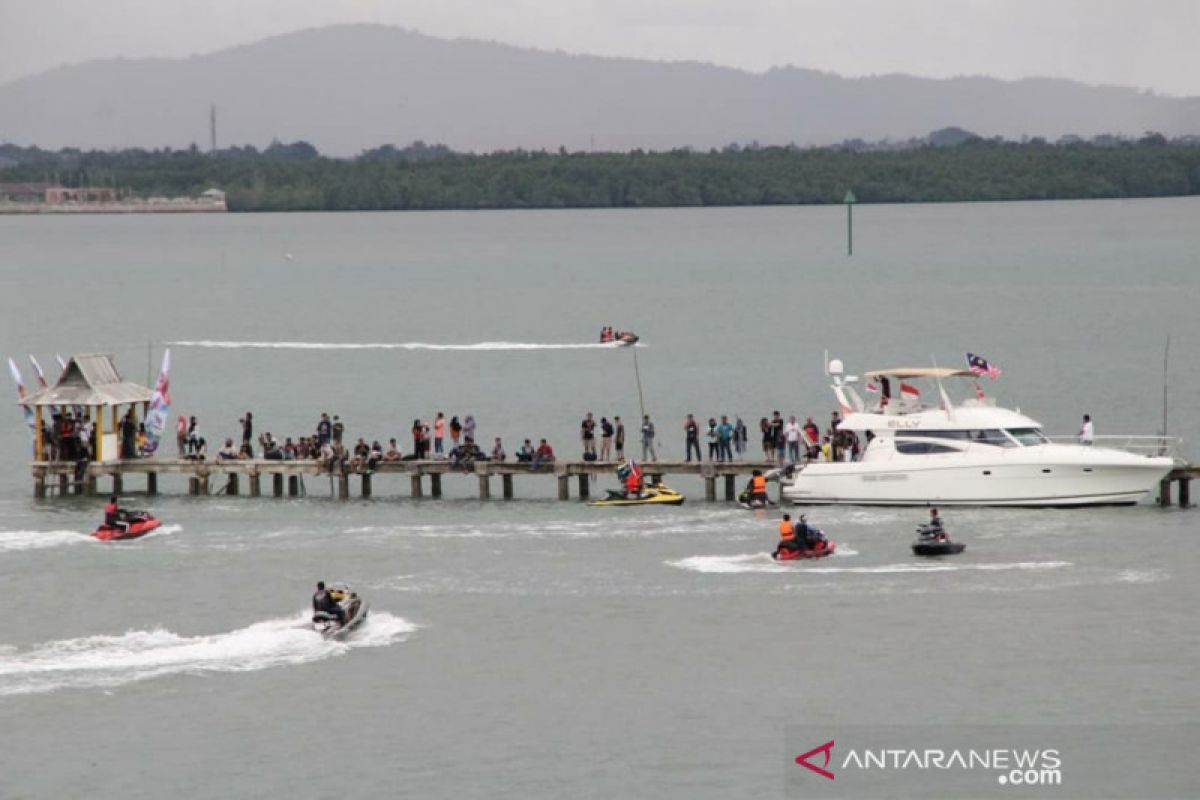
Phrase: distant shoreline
{"type": "Point", "coordinates": [420, 178]}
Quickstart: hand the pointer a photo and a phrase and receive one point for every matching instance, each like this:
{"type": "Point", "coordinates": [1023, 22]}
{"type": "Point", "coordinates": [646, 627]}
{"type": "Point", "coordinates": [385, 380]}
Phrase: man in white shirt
{"type": "Point", "coordinates": [791, 432]}
{"type": "Point", "coordinates": [1087, 434]}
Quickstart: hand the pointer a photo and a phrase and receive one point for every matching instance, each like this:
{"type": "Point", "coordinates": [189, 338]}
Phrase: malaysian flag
{"type": "Point", "coordinates": [979, 366]}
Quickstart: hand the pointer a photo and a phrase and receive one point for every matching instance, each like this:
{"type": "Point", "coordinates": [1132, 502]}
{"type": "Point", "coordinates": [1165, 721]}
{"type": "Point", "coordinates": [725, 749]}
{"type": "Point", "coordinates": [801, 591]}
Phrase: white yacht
{"type": "Point", "coordinates": [913, 452]}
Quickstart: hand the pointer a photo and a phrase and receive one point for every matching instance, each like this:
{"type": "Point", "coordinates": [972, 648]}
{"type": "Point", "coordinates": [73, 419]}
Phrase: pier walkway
{"type": "Point", "coordinates": [286, 478]}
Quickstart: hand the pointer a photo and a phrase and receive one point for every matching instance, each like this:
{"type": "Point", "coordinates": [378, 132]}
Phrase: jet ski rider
{"type": "Point", "coordinates": [114, 517]}
{"type": "Point", "coordinates": [758, 488]}
{"type": "Point", "coordinates": [323, 601]}
{"type": "Point", "coordinates": [787, 536]}
{"type": "Point", "coordinates": [633, 484]}
{"type": "Point", "coordinates": [934, 528]}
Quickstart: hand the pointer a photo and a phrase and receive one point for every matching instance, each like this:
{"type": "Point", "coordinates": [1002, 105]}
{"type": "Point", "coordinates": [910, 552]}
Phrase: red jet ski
{"type": "Point", "coordinates": [140, 523]}
{"type": "Point", "coordinates": [819, 550]}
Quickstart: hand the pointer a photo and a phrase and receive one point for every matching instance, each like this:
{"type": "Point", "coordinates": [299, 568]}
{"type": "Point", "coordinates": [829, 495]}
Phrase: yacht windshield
{"type": "Point", "coordinates": [992, 436]}
{"type": "Point", "coordinates": [1028, 437]}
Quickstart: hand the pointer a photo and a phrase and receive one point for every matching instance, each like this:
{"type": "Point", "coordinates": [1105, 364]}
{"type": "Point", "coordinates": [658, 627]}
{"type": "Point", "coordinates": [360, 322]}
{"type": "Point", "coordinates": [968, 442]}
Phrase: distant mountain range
{"type": "Point", "coordinates": [348, 88]}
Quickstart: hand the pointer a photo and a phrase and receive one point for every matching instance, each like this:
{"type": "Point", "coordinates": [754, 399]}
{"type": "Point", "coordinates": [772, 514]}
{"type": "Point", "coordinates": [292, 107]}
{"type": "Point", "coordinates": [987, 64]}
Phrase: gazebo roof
{"type": "Point", "coordinates": [91, 379]}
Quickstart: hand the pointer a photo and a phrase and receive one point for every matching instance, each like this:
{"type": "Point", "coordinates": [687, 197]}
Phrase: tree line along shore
{"type": "Point", "coordinates": [295, 177]}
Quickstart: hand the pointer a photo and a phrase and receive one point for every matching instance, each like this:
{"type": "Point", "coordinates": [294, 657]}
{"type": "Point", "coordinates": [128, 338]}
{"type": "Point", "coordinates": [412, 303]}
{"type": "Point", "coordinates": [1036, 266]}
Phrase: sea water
{"type": "Point", "coordinates": [535, 648]}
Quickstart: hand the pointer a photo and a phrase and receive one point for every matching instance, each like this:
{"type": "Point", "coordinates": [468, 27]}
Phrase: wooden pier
{"type": "Point", "coordinates": [1181, 476]}
{"type": "Point", "coordinates": [259, 477]}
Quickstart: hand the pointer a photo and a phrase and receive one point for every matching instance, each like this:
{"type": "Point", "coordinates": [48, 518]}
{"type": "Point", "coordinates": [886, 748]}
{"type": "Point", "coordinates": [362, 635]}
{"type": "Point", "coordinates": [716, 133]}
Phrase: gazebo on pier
{"type": "Point", "coordinates": [89, 385]}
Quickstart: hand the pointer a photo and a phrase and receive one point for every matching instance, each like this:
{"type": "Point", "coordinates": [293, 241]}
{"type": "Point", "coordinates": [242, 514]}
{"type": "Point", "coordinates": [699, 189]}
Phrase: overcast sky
{"type": "Point", "coordinates": [1151, 44]}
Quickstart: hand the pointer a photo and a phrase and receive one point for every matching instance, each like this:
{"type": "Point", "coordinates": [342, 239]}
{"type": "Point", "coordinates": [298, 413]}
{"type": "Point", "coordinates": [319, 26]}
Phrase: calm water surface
{"type": "Point", "coordinates": [545, 649]}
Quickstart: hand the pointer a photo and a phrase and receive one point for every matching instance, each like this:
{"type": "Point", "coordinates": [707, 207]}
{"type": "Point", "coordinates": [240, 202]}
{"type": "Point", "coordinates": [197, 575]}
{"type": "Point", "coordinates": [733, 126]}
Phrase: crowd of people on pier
{"type": "Point", "coordinates": [723, 438]}
{"type": "Point", "coordinates": [70, 435]}
{"type": "Point", "coordinates": [445, 438]}
{"type": "Point", "coordinates": [783, 442]}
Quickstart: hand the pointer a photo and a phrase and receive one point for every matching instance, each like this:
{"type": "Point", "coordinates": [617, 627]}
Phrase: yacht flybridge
{"type": "Point", "coordinates": [972, 452]}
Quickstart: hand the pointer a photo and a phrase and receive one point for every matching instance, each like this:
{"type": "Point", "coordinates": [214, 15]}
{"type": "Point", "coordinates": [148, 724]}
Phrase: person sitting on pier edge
{"type": "Point", "coordinates": [758, 487]}
{"type": "Point", "coordinates": [393, 452]}
{"type": "Point", "coordinates": [498, 453]}
{"type": "Point", "coordinates": [114, 517]}
{"type": "Point", "coordinates": [323, 602]}
{"type": "Point", "coordinates": [270, 447]}
{"type": "Point", "coordinates": [787, 536]}
{"type": "Point", "coordinates": [227, 453]}
{"type": "Point", "coordinates": [543, 455]}
{"type": "Point", "coordinates": [934, 528]}
{"type": "Point", "coordinates": [525, 453]}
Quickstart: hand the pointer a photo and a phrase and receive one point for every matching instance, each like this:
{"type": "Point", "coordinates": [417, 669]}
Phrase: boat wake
{"type": "Point", "coordinates": [762, 562]}
{"type": "Point", "coordinates": [482, 346]}
{"type": "Point", "coordinates": [163, 530]}
{"type": "Point", "coordinates": [37, 540]}
{"type": "Point", "coordinates": [108, 661]}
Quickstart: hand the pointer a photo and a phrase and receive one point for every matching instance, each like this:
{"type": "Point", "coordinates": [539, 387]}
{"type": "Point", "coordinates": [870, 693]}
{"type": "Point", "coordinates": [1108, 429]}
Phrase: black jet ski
{"type": "Point", "coordinates": [745, 502]}
{"type": "Point", "coordinates": [744, 498]}
{"type": "Point", "coordinates": [355, 607]}
{"type": "Point", "coordinates": [935, 545]}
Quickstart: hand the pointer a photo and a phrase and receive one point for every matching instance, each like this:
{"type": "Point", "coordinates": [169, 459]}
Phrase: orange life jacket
{"type": "Point", "coordinates": [786, 532]}
{"type": "Point", "coordinates": [760, 485]}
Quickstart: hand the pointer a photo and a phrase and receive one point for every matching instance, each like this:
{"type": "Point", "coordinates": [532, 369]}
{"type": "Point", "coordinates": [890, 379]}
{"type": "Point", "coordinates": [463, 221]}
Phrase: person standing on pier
{"type": "Point", "coordinates": [324, 430]}
{"type": "Point", "coordinates": [181, 435]}
{"type": "Point", "coordinates": [606, 437]}
{"type": "Point", "coordinates": [791, 432]}
{"type": "Point", "coordinates": [740, 437]}
{"type": "Point", "coordinates": [248, 432]}
{"type": "Point", "coordinates": [691, 437]}
{"type": "Point", "coordinates": [468, 428]}
{"type": "Point", "coordinates": [338, 429]}
{"type": "Point", "coordinates": [725, 439]}
{"type": "Point", "coordinates": [128, 436]}
{"type": "Point", "coordinates": [418, 436]}
{"type": "Point", "coordinates": [587, 433]}
{"type": "Point", "coordinates": [620, 437]}
{"type": "Point", "coordinates": [778, 438]}
{"type": "Point", "coordinates": [455, 432]}
{"type": "Point", "coordinates": [714, 445]}
{"type": "Point", "coordinates": [648, 451]}
{"type": "Point", "coordinates": [439, 432]}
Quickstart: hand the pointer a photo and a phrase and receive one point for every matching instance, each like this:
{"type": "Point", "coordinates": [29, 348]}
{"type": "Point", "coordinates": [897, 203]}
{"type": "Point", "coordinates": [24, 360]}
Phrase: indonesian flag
{"type": "Point", "coordinates": [909, 392]}
{"type": "Point", "coordinates": [872, 387]}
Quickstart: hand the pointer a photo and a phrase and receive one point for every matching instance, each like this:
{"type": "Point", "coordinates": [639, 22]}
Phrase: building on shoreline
{"type": "Point", "coordinates": [45, 198]}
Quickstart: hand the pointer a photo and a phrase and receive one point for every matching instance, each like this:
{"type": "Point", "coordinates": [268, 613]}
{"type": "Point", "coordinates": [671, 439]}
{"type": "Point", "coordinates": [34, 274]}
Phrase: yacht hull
{"type": "Point", "coordinates": [1039, 484]}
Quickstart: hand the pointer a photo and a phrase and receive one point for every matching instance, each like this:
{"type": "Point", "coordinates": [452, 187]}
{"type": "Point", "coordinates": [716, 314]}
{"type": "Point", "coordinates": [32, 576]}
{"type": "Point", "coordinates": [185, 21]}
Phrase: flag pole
{"type": "Point", "coordinates": [637, 373]}
{"type": "Point", "coordinates": [1166, 354]}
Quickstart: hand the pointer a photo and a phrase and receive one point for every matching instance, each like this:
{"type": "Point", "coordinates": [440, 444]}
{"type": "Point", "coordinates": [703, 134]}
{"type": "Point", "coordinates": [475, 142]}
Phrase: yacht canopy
{"type": "Point", "coordinates": [918, 372]}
